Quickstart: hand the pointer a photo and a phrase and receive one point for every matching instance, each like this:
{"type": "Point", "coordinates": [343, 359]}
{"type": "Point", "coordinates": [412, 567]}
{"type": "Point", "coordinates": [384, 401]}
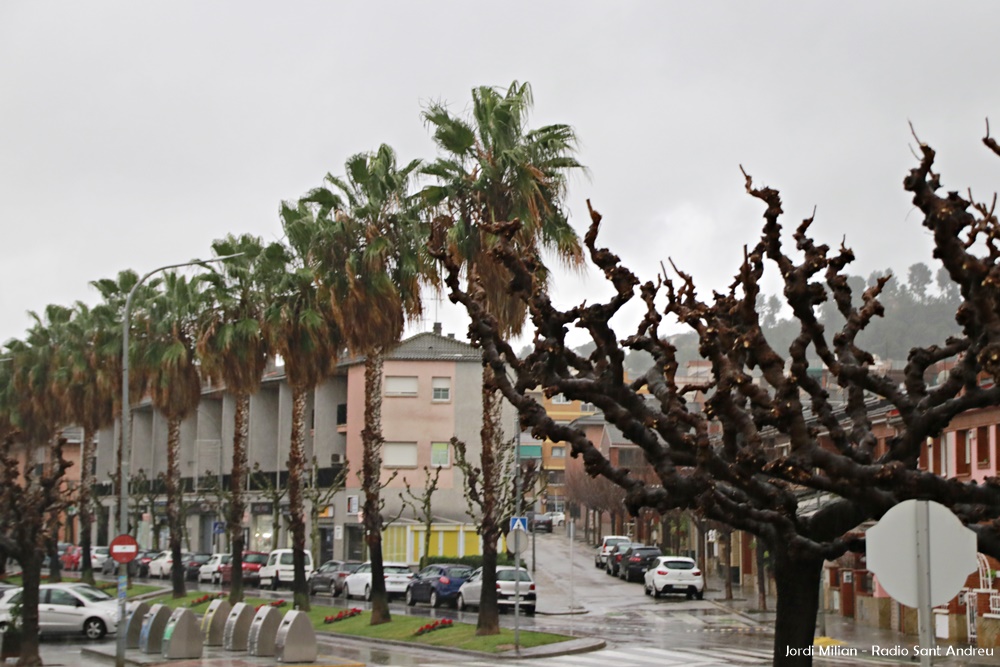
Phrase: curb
{"type": "Point", "coordinates": [570, 647]}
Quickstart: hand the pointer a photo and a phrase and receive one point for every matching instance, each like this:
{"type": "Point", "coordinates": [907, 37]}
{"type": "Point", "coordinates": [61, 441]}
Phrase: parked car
{"type": "Point", "coordinates": [438, 584]}
{"type": "Point", "coordinates": [359, 582]}
{"type": "Point", "coordinates": [164, 562]}
{"type": "Point", "coordinates": [71, 560]}
{"type": "Point", "coordinates": [607, 542]}
{"type": "Point", "coordinates": [68, 608]}
{"type": "Point", "coordinates": [513, 585]}
{"type": "Point", "coordinates": [558, 518]}
{"type": "Point", "coordinates": [636, 560]}
{"type": "Point", "coordinates": [192, 565]}
{"type": "Point", "coordinates": [211, 569]}
{"type": "Point", "coordinates": [252, 562]}
{"type": "Point", "coordinates": [615, 556]}
{"type": "Point", "coordinates": [331, 575]}
{"type": "Point", "coordinates": [280, 568]}
{"type": "Point", "coordinates": [98, 555]}
{"type": "Point", "coordinates": [540, 522]}
{"type": "Point", "coordinates": [142, 562]}
{"type": "Point", "coordinates": [675, 574]}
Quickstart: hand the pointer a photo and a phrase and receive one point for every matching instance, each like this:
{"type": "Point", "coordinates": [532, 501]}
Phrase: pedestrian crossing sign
{"type": "Point", "coordinates": [519, 523]}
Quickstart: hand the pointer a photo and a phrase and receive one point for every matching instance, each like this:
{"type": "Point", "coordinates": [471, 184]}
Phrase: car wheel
{"type": "Point", "coordinates": [460, 603]}
{"type": "Point", "coordinates": [656, 592]}
{"type": "Point", "coordinates": [410, 599]}
{"type": "Point", "coordinates": [94, 628]}
{"type": "Point", "coordinates": [435, 600]}
{"type": "Point", "coordinates": [530, 611]}
{"type": "Point", "coordinates": [690, 595]}
{"type": "Point", "coordinates": [368, 593]}
{"type": "Point", "coordinates": [347, 592]}
{"type": "Point", "coordinates": [216, 579]}
{"type": "Point", "coordinates": [645, 589]}
{"type": "Point", "coordinates": [333, 590]}
{"type": "Point", "coordinates": [700, 595]}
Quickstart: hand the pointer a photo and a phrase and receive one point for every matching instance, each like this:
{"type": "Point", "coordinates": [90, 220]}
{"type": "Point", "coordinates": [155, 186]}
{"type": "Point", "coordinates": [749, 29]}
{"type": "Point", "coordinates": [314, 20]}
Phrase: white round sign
{"type": "Point", "coordinates": [892, 552]}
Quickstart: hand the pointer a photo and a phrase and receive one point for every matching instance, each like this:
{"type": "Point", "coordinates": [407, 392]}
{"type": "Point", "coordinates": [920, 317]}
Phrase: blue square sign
{"type": "Point", "coordinates": [519, 523]}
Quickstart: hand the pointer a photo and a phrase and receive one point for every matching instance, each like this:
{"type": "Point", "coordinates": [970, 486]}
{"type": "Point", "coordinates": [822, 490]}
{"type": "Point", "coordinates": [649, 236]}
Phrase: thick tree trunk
{"type": "Point", "coordinates": [489, 614]}
{"type": "Point", "coordinates": [86, 517]}
{"type": "Point", "coordinates": [173, 505]}
{"type": "Point", "coordinates": [297, 523]}
{"type": "Point", "coordinates": [31, 568]}
{"type": "Point", "coordinates": [797, 581]}
{"type": "Point", "coordinates": [371, 480]}
{"type": "Point", "coordinates": [241, 432]}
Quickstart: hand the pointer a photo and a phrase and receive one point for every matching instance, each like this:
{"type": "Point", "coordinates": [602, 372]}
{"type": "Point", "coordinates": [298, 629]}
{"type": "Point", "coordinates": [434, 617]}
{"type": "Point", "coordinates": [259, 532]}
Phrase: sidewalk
{"type": "Point", "coordinates": [848, 633]}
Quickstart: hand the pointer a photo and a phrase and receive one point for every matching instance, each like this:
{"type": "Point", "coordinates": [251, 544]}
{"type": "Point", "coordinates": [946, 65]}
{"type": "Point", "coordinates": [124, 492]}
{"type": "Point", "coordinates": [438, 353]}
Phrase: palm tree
{"type": "Point", "coordinates": [168, 334]}
{"type": "Point", "coordinates": [301, 328]}
{"type": "Point", "coordinates": [374, 262]}
{"type": "Point", "coordinates": [496, 170]}
{"type": "Point", "coordinates": [234, 351]}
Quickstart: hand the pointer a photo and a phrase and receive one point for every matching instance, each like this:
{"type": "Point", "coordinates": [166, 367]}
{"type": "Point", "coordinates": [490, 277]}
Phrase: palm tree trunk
{"type": "Point", "coordinates": [241, 432]}
{"type": "Point", "coordinates": [297, 524]}
{"type": "Point", "coordinates": [86, 518]}
{"type": "Point", "coordinates": [173, 505]}
{"type": "Point", "coordinates": [489, 614]}
{"type": "Point", "coordinates": [371, 480]}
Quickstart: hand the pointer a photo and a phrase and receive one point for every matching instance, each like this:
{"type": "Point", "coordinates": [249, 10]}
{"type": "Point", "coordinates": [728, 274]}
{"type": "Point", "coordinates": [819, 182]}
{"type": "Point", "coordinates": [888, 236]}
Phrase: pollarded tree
{"type": "Point", "coordinates": [493, 168]}
{"type": "Point", "coordinates": [169, 336]}
{"type": "Point", "coordinates": [374, 262]}
{"type": "Point", "coordinates": [234, 352]}
{"type": "Point", "coordinates": [300, 325]}
{"type": "Point", "coordinates": [759, 394]}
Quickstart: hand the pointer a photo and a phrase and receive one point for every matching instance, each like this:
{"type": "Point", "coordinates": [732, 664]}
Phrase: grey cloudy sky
{"type": "Point", "coordinates": [133, 134]}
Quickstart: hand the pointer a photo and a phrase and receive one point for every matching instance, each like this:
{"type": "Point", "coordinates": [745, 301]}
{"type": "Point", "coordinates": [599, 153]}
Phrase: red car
{"type": "Point", "coordinates": [71, 558]}
{"type": "Point", "coordinates": [252, 561]}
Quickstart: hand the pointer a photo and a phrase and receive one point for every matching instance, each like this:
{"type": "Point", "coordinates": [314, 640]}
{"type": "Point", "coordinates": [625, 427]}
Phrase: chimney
{"type": "Point", "coordinates": [452, 336]}
{"type": "Point", "coordinates": [437, 328]}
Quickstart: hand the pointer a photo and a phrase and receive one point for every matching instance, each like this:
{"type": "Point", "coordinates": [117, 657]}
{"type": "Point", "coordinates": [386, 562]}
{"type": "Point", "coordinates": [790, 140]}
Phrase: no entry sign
{"type": "Point", "coordinates": [124, 549]}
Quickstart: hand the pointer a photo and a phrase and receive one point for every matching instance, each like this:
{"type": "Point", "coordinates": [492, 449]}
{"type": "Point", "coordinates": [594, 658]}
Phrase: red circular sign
{"type": "Point", "coordinates": [124, 549]}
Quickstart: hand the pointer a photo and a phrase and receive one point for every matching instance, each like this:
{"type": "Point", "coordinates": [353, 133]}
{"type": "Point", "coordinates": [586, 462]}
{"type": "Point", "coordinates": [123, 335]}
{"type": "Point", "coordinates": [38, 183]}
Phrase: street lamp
{"type": "Point", "coordinates": [123, 461]}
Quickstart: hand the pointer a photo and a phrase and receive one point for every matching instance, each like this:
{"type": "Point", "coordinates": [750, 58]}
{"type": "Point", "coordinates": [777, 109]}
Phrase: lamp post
{"type": "Point", "coordinates": [123, 462]}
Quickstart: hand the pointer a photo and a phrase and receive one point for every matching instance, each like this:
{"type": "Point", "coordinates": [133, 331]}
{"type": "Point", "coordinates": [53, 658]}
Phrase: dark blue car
{"type": "Point", "coordinates": [437, 584]}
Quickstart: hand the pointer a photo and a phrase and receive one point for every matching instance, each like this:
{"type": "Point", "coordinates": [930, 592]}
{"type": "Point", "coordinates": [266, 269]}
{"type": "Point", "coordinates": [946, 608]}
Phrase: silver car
{"type": "Point", "coordinates": [514, 585]}
{"type": "Point", "coordinates": [68, 608]}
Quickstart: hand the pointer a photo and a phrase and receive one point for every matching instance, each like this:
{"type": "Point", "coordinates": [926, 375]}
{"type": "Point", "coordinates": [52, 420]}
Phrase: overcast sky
{"type": "Point", "coordinates": [133, 134]}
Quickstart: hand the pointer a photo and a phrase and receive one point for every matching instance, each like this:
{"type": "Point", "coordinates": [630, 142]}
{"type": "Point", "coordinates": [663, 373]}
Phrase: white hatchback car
{"type": "Point", "coordinates": [359, 583]}
{"type": "Point", "coordinates": [514, 585]}
{"type": "Point", "coordinates": [162, 564]}
{"type": "Point", "coordinates": [68, 608]}
{"type": "Point", "coordinates": [601, 557]}
{"type": "Point", "coordinates": [675, 574]}
{"type": "Point", "coordinates": [280, 568]}
{"type": "Point", "coordinates": [211, 571]}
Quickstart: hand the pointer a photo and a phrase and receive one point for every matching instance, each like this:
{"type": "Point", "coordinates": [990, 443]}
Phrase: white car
{"type": "Point", "coordinates": [359, 582]}
{"type": "Point", "coordinates": [609, 541]}
{"type": "Point", "coordinates": [280, 568]}
{"type": "Point", "coordinates": [558, 518]}
{"type": "Point", "coordinates": [68, 608]}
{"type": "Point", "coordinates": [513, 585]}
{"type": "Point", "coordinates": [210, 571]}
{"type": "Point", "coordinates": [162, 564]}
{"type": "Point", "coordinates": [97, 557]}
{"type": "Point", "coordinates": [675, 574]}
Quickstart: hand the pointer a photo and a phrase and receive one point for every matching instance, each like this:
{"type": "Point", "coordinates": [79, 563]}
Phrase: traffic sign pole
{"type": "Point", "coordinates": [924, 619]}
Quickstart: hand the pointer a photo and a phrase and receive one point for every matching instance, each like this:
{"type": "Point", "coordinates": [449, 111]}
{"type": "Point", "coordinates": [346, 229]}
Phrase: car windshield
{"type": "Point", "coordinates": [679, 564]}
{"type": "Point", "coordinates": [513, 575]}
{"type": "Point", "coordinates": [349, 567]}
{"type": "Point", "coordinates": [459, 572]}
{"type": "Point", "coordinates": [615, 540]}
{"type": "Point", "coordinates": [255, 558]}
{"type": "Point", "coordinates": [226, 558]}
{"type": "Point", "coordinates": [396, 569]}
{"type": "Point", "coordinates": [91, 594]}
{"type": "Point", "coordinates": [201, 558]}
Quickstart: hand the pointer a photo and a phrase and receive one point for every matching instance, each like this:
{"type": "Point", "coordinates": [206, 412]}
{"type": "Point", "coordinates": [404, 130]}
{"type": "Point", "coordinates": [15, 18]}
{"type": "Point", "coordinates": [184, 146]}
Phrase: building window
{"type": "Point", "coordinates": [982, 447]}
{"type": "Point", "coordinates": [963, 451]}
{"type": "Point", "coordinates": [399, 455]}
{"type": "Point", "coordinates": [558, 452]}
{"type": "Point", "coordinates": [401, 385]}
{"type": "Point", "coordinates": [559, 399]}
{"type": "Point", "coordinates": [588, 407]}
{"type": "Point", "coordinates": [441, 388]}
{"type": "Point", "coordinates": [440, 454]}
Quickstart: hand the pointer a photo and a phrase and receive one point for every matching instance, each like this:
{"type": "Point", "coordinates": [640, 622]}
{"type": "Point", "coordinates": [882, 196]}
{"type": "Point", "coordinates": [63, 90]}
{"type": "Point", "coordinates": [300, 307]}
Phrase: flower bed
{"type": "Point", "coordinates": [431, 627]}
{"type": "Point", "coordinates": [205, 598]}
{"type": "Point", "coordinates": [277, 603]}
{"type": "Point", "coordinates": [342, 615]}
